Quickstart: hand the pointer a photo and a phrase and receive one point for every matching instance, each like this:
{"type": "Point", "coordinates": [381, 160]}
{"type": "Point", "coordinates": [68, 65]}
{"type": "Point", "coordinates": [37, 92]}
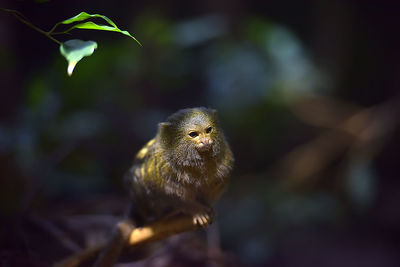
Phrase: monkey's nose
{"type": "Point", "coordinates": [205, 143]}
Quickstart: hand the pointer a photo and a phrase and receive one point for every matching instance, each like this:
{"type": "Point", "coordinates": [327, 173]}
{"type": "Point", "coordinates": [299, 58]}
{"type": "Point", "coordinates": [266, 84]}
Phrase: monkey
{"type": "Point", "coordinates": [183, 170]}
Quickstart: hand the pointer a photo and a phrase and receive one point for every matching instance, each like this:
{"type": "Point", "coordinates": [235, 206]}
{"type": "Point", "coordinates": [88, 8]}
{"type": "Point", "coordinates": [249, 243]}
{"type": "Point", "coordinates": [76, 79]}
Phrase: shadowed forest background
{"type": "Point", "coordinates": [307, 94]}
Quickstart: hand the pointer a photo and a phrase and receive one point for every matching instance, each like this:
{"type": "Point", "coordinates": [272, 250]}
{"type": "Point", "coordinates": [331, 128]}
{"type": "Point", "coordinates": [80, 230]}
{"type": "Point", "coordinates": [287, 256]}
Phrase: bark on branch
{"type": "Point", "coordinates": [139, 236]}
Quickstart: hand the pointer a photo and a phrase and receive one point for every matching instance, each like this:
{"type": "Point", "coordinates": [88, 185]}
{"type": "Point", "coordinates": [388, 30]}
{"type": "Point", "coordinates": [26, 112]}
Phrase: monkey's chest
{"type": "Point", "coordinates": [195, 188]}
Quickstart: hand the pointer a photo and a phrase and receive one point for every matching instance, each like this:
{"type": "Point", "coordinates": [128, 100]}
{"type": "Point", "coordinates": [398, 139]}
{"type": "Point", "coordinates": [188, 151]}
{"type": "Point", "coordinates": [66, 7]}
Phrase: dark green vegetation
{"type": "Point", "coordinates": [307, 95]}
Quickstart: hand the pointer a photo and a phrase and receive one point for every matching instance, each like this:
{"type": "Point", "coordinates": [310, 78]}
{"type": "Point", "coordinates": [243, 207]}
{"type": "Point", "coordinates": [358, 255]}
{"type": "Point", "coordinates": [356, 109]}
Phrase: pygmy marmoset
{"type": "Point", "coordinates": [184, 169]}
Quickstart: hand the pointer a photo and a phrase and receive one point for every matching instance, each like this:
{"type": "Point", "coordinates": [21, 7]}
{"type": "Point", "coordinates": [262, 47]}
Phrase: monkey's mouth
{"type": "Point", "coordinates": [204, 145]}
{"type": "Point", "coordinates": [203, 148]}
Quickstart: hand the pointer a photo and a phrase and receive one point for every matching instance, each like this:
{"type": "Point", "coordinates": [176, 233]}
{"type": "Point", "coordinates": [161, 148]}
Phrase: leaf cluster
{"type": "Point", "coordinates": [74, 50]}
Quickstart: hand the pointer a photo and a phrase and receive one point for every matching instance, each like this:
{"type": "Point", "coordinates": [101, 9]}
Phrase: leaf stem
{"type": "Point", "coordinates": [54, 28]}
{"type": "Point", "coordinates": [21, 18]}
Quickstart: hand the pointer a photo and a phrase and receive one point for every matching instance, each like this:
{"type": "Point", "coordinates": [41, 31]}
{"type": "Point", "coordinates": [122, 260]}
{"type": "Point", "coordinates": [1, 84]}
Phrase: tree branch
{"type": "Point", "coordinates": [153, 232]}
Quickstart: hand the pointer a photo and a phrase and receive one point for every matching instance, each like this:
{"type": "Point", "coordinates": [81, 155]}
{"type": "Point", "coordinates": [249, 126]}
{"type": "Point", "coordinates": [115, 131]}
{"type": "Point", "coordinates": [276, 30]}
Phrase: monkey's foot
{"type": "Point", "coordinates": [203, 219]}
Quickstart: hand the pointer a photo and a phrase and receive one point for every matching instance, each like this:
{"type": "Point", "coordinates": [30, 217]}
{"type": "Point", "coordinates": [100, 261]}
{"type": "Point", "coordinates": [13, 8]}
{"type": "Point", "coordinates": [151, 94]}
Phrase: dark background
{"type": "Point", "coordinates": [307, 93]}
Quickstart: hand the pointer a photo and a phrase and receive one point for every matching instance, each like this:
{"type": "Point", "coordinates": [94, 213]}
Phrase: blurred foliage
{"type": "Point", "coordinates": [311, 118]}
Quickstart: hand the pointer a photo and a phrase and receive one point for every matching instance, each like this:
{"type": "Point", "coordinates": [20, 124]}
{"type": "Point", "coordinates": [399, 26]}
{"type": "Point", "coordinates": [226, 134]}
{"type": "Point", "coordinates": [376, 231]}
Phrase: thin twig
{"type": "Point", "coordinates": [23, 19]}
{"type": "Point", "coordinates": [57, 233]}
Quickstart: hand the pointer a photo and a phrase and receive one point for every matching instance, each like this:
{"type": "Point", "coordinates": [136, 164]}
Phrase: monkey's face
{"type": "Point", "coordinates": [191, 135]}
{"type": "Point", "coordinates": [201, 136]}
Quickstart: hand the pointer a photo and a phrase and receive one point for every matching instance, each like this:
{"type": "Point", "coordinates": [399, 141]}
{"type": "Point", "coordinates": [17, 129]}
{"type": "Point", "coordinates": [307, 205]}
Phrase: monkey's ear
{"type": "Point", "coordinates": [163, 125]}
{"type": "Point", "coordinates": [214, 113]}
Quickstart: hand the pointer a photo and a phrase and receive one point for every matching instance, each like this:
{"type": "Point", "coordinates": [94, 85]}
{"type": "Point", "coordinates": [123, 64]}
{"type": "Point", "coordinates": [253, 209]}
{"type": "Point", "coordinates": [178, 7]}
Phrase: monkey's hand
{"type": "Point", "coordinates": [203, 219]}
{"type": "Point", "coordinates": [202, 214]}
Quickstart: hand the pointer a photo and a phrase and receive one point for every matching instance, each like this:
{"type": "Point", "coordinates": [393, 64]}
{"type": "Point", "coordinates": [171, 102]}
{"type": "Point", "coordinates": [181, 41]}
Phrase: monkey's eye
{"type": "Point", "coordinates": [209, 129]}
{"type": "Point", "coordinates": [193, 134]}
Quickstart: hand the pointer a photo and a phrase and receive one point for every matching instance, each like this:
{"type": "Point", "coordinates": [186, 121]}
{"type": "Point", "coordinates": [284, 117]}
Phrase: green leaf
{"type": "Point", "coordinates": [75, 50]}
{"type": "Point", "coordinates": [94, 26]}
{"type": "Point", "coordinates": [83, 15]}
